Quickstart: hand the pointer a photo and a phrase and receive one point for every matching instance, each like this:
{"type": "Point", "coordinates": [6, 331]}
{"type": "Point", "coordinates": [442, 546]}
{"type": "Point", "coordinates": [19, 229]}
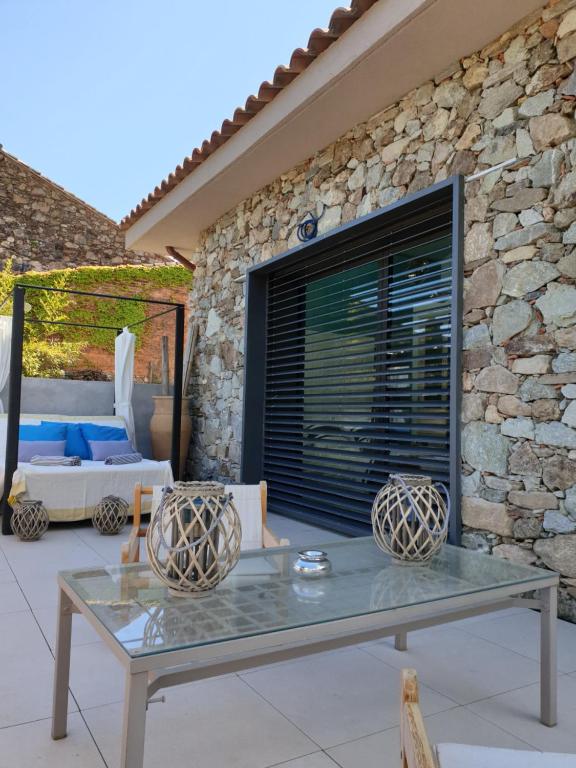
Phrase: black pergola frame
{"type": "Point", "coordinates": [15, 377]}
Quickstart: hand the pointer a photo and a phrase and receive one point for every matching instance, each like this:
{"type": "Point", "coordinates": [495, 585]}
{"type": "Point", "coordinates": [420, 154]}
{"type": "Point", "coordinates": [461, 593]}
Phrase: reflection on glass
{"type": "Point", "coordinates": [263, 594]}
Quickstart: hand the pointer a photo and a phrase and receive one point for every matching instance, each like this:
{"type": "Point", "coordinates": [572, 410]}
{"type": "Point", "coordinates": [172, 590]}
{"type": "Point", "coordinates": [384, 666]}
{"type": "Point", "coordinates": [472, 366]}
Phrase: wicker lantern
{"type": "Point", "coordinates": [193, 540]}
{"type": "Point", "coordinates": [29, 520]}
{"type": "Point", "coordinates": [410, 518]}
{"type": "Point", "coordinates": [110, 515]}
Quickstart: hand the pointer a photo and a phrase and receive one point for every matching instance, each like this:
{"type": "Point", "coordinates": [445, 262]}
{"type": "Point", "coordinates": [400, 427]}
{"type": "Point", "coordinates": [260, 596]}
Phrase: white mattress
{"type": "Point", "coordinates": [71, 493]}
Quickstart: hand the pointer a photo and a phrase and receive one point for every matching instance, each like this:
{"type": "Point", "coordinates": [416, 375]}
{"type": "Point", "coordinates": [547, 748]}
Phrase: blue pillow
{"type": "Point", "coordinates": [101, 433]}
{"type": "Point", "coordinates": [76, 445]}
{"type": "Point", "coordinates": [42, 432]}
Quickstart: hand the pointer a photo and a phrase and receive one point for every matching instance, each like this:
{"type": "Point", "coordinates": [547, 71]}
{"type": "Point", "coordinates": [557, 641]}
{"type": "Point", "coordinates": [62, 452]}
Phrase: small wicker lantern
{"type": "Point", "coordinates": [29, 520]}
{"type": "Point", "coordinates": [193, 540]}
{"type": "Point", "coordinates": [110, 515]}
{"type": "Point", "coordinates": [410, 518]}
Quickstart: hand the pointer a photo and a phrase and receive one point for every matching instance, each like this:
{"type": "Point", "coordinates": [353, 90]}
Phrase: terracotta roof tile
{"type": "Point", "coordinates": [320, 39]}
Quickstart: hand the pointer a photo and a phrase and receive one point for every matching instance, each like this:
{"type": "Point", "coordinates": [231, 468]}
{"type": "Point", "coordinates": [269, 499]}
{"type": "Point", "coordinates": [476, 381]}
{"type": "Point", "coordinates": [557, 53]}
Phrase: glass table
{"type": "Point", "coordinates": [264, 612]}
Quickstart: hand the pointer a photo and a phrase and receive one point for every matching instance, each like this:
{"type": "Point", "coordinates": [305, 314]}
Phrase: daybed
{"type": "Point", "coordinates": [71, 493]}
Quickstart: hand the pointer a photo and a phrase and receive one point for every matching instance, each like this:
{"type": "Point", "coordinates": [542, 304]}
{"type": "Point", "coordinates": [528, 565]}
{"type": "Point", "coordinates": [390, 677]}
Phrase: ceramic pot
{"type": "Point", "coordinates": [161, 429]}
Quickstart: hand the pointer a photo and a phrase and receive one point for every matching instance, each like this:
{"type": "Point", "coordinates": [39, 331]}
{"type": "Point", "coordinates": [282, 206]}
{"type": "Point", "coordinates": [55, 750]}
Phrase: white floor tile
{"type": "Point", "coordinates": [218, 722]}
{"type": "Point", "coordinates": [382, 750]}
{"type": "Point", "coordinates": [82, 632]}
{"type": "Point", "coordinates": [316, 760]}
{"type": "Point", "coordinates": [459, 665]}
{"type": "Point", "coordinates": [27, 671]}
{"type": "Point", "coordinates": [518, 713]}
{"type": "Point", "coordinates": [334, 697]}
{"type": "Point", "coordinates": [107, 547]}
{"type": "Point", "coordinates": [96, 675]}
{"type": "Point", "coordinates": [12, 598]}
{"type": "Point", "coordinates": [521, 633]}
{"type": "Point", "coordinates": [6, 575]}
{"type": "Point", "coordinates": [24, 746]}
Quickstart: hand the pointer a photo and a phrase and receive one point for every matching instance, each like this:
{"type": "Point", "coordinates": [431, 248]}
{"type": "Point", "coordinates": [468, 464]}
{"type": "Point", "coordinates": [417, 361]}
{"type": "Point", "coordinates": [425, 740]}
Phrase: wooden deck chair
{"type": "Point", "coordinates": [251, 502]}
{"type": "Point", "coordinates": [417, 752]}
{"type": "Point", "coordinates": [415, 749]}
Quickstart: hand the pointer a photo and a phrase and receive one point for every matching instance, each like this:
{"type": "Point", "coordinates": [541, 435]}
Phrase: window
{"type": "Point", "coordinates": [357, 363]}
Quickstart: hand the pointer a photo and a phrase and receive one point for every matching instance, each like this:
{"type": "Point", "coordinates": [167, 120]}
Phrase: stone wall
{"type": "Point", "coordinates": [513, 99]}
{"type": "Point", "coordinates": [42, 226]}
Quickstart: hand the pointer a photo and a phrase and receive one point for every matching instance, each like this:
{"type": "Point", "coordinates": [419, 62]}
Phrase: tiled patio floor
{"type": "Point", "coordinates": [479, 685]}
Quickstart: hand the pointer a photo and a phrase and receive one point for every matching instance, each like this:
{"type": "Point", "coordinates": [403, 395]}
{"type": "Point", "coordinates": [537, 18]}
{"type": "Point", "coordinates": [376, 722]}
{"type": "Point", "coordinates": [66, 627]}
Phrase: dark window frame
{"type": "Point", "coordinates": [452, 189]}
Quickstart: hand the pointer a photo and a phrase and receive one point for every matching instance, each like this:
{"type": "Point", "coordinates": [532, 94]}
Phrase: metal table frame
{"type": "Point", "coordinates": [147, 674]}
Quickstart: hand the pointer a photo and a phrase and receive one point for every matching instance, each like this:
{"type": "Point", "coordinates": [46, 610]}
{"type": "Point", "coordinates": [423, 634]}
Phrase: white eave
{"type": "Point", "coordinates": [394, 47]}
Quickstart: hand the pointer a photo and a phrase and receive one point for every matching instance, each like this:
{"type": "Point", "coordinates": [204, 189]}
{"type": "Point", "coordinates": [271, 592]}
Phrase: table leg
{"type": "Point", "coordinates": [134, 725]}
{"type": "Point", "coordinates": [62, 667]}
{"type": "Point", "coordinates": [401, 641]}
{"type": "Point", "coordinates": [548, 666]}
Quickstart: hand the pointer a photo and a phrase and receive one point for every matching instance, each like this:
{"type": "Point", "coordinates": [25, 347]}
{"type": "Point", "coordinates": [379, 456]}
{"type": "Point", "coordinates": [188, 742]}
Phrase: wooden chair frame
{"type": "Point", "coordinates": [130, 551]}
{"type": "Point", "coordinates": [415, 748]}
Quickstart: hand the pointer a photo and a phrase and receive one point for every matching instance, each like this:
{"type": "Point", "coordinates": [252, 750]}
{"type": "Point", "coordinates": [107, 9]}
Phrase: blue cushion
{"type": "Point", "coordinates": [76, 445]}
{"type": "Point", "coordinates": [101, 433]}
{"type": "Point", "coordinates": [51, 431]}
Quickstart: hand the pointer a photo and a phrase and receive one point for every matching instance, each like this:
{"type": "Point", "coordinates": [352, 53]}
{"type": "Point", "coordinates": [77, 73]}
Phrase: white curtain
{"type": "Point", "coordinates": [5, 342]}
{"type": "Point", "coordinates": [124, 380]}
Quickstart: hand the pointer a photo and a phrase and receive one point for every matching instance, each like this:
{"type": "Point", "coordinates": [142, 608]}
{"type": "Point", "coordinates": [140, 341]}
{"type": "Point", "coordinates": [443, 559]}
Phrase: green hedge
{"type": "Point", "coordinates": [125, 281]}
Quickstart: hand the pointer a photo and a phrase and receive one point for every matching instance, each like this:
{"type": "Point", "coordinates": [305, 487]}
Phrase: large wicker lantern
{"type": "Point", "coordinates": [29, 519]}
{"type": "Point", "coordinates": [410, 518]}
{"type": "Point", "coordinates": [193, 540]}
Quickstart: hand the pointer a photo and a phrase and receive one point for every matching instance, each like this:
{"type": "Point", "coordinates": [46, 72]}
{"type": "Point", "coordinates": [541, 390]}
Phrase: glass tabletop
{"type": "Point", "coordinates": [263, 594]}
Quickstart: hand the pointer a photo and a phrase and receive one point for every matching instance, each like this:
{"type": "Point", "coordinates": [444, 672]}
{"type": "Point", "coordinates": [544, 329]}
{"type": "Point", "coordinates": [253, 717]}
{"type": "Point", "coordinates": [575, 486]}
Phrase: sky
{"type": "Point", "coordinates": [106, 97]}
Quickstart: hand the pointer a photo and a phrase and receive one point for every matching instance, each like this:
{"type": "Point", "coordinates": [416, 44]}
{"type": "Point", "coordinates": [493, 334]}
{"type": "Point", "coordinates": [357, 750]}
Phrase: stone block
{"type": "Point", "coordinates": [510, 405]}
{"type": "Point", "coordinates": [558, 305]}
{"type": "Point", "coordinates": [546, 172]}
{"type": "Point", "coordinates": [526, 236]}
{"type": "Point", "coordinates": [496, 378]}
{"type": "Point", "coordinates": [569, 416]}
{"type": "Point", "coordinates": [556, 522]}
{"type": "Point", "coordinates": [519, 427]}
{"type": "Point", "coordinates": [495, 100]}
{"type": "Point", "coordinates": [524, 253]}
{"type": "Point", "coordinates": [524, 346]}
{"type": "Point", "coordinates": [484, 448]}
{"type": "Point", "coordinates": [523, 199]}
{"type": "Point", "coordinates": [510, 319]}
{"type": "Point", "coordinates": [527, 277]}
{"type": "Point", "coordinates": [473, 406]}
{"type": "Point", "coordinates": [527, 528]}
{"type": "Point", "coordinates": [558, 553]}
{"type": "Point", "coordinates": [486, 515]}
{"type": "Point", "coordinates": [546, 410]}
{"type": "Point", "coordinates": [565, 362]}
{"type": "Point", "coordinates": [484, 286]}
{"type": "Point", "coordinates": [566, 337]}
{"type": "Point", "coordinates": [530, 365]}
{"type": "Point", "coordinates": [478, 243]}
{"type": "Point", "coordinates": [533, 500]}
{"type": "Point", "coordinates": [555, 434]}
{"type": "Point", "coordinates": [476, 337]}
{"type": "Point", "coordinates": [523, 461]}
{"type": "Point", "coordinates": [559, 473]}
{"type": "Point", "coordinates": [516, 554]}
{"type": "Point", "coordinates": [550, 130]}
